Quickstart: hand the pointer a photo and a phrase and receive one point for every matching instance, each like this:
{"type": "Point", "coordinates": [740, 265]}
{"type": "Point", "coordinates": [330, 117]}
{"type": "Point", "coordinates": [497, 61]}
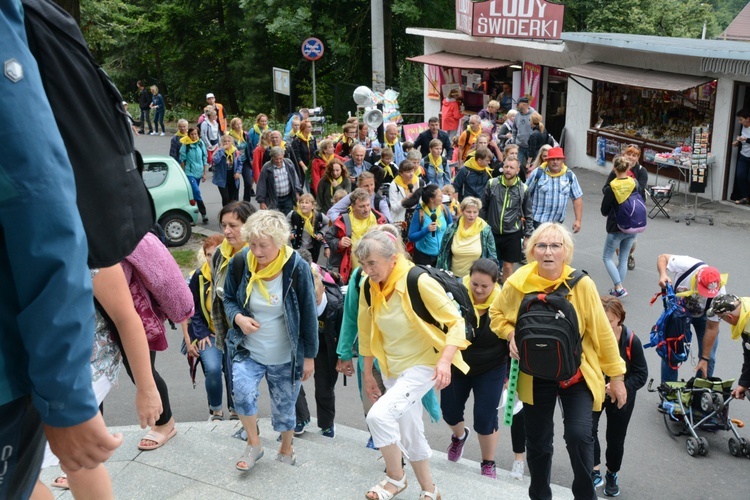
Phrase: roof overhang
{"type": "Point", "coordinates": [636, 77]}
{"type": "Point", "coordinates": [461, 61]}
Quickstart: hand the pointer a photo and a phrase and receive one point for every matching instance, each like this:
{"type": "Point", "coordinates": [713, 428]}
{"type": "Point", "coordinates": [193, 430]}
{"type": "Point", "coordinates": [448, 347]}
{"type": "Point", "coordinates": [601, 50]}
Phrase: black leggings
{"type": "Point", "coordinates": [617, 429]}
{"type": "Point", "coordinates": [161, 386]}
{"type": "Point", "coordinates": [518, 433]}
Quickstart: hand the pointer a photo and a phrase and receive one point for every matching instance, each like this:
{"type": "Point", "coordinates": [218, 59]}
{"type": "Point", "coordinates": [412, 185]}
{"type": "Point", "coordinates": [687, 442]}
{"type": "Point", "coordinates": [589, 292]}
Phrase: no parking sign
{"type": "Point", "coordinates": [312, 49]}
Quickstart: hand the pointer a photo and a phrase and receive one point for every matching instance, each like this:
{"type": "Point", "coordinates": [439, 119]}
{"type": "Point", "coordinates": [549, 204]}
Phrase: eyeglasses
{"type": "Point", "coordinates": [552, 246]}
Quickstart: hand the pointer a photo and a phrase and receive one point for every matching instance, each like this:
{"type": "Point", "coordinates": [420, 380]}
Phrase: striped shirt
{"type": "Point", "coordinates": [549, 195]}
{"type": "Point", "coordinates": [281, 181]}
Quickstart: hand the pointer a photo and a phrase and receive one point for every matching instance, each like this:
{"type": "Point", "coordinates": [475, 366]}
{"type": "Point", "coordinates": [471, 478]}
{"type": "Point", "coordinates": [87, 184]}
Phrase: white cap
{"type": "Point", "coordinates": [124, 103]}
{"type": "Point", "coordinates": [210, 95]}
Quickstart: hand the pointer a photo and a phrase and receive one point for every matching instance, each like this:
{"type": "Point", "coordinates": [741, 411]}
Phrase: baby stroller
{"type": "Point", "coordinates": [699, 404]}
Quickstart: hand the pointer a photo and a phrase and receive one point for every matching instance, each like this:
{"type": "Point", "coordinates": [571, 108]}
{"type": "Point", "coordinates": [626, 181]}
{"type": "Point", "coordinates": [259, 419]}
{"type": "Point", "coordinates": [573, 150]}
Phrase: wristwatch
{"type": "Point", "coordinates": [707, 360]}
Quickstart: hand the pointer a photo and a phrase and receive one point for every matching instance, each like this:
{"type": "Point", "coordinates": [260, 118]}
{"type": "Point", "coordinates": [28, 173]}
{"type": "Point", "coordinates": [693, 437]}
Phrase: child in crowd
{"type": "Point", "coordinates": [631, 351]}
{"type": "Point", "coordinates": [347, 140]}
{"type": "Point", "coordinates": [435, 166]}
{"type": "Point", "coordinates": [339, 195]}
{"type": "Point", "coordinates": [450, 199]}
{"type": "Point", "coordinates": [408, 146]}
{"type": "Point", "coordinates": [194, 161]}
{"type": "Point", "coordinates": [309, 227]}
{"type": "Point", "coordinates": [385, 171]}
{"type": "Point", "coordinates": [227, 170]}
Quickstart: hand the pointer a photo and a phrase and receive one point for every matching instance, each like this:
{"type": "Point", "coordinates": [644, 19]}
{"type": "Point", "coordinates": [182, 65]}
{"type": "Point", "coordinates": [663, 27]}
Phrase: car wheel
{"type": "Point", "coordinates": [177, 228]}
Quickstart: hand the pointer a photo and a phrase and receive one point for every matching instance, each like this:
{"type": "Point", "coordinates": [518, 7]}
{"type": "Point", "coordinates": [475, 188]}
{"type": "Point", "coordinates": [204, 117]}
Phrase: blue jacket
{"type": "Point", "coordinates": [195, 157]}
{"type": "Point", "coordinates": [158, 101]}
{"type": "Point", "coordinates": [300, 307]}
{"type": "Point", "coordinates": [221, 169]}
{"type": "Point", "coordinates": [422, 237]}
{"type": "Point", "coordinates": [469, 182]}
{"type": "Point", "coordinates": [46, 303]}
{"type": "Point", "coordinates": [432, 173]}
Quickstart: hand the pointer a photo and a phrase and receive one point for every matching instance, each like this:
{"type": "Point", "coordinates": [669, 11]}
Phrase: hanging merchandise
{"type": "Point", "coordinates": [601, 151]}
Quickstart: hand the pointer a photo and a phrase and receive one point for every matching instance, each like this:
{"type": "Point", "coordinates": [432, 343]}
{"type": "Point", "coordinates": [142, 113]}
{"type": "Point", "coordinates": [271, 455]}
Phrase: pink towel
{"type": "Point", "coordinates": [158, 288]}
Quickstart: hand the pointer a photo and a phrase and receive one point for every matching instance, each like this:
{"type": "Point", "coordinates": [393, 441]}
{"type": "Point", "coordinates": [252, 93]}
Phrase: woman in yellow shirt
{"type": "Point", "coordinates": [413, 357]}
{"type": "Point", "coordinates": [466, 240]}
{"type": "Point", "coordinates": [549, 252]}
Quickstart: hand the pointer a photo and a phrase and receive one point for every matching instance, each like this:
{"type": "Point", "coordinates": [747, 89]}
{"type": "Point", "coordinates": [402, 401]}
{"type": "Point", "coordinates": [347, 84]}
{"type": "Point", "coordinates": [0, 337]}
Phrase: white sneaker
{"type": "Point", "coordinates": [152, 133]}
{"type": "Point", "coordinates": [162, 134]}
{"type": "Point", "coordinates": [517, 471]}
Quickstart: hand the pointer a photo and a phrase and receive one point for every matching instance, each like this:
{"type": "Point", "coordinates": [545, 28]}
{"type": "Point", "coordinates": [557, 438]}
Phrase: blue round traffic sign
{"type": "Point", "coordinates": [312, 49]}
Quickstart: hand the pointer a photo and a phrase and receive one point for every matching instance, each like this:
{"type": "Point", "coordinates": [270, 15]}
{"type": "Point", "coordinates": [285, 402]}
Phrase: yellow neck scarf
{"type": "Point", "coordinates": [379, 292]}
{"type": "Point", "coordinates": [391, 145]}
{"type": "Point", "coordinates": [229, 152]}
{"type": "Point", "coordinates": [744, 316]}
{"type": "Point", "coordinates": [482, 306]}
{"type": "Point", "coordinates": [187, 140]}
{"type": "Point", "coordinates": [471, 136]}
{"type": "Point", "coordinates": [400, 182]}
{"type": "Point", "coordinates": [455, 208]}
{"type": "Point", "coordinates": [325, 158]}
{"type": "Point", "coordinates": [302, 137]}
{"type": "Point", "coordinates": [387, 168]}
{"type": "Point", "coordinates": [473, 230]}
{"type": "Point", "coordinates": [227, 251]}
{"type": "Point", "coordinates": [238, 136]}
{"type": "Point", "coordinates": [360, 226]}
{"type": "Point", "coordinates": [338, 181]}
{"type": "Point", "coordinates": [282, 145]}
{"type": "Point", "coordinates": [180, 134]}
{"type": "Point", "coordinates": [270, 270]}
{"type": "Point", "coordinates": [471, 164]}
{"type": "Point", "coordinates": [428, 213]}
{"type": "Point", "coordinates": [561, 172]}
{"type": "Point", "coordinates": [308, 221]}
{"type": "Point", "coordinates": [437, 163]}
{"type": "Point", "coordinates": [259, 130]}
{"type": "Point", "coordinates": [527, 280]}
{"type": "Point", "coordinates": [207, 294]}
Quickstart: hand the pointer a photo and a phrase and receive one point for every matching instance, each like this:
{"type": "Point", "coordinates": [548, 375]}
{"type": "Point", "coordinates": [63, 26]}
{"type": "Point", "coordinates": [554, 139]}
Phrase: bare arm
{"type": "Point", "coordinates": [112, 292]}
{"type": "Point", "coordinates": [661, 267]}
{"type": "Point", "coordinates": [578, 210]}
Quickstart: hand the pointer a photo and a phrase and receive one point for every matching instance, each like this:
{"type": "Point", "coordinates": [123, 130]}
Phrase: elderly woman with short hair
{"type": "Point", "coordinates": [466, 240]}
{"type": "Point", "coordinates": [413, 356]}
{"type": "Point", "coordinates": [274, 312]}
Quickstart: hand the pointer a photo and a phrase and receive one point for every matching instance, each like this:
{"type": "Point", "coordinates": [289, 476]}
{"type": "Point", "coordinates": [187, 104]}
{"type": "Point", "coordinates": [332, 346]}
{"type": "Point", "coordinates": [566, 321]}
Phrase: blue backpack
{"type": "Point", "coordinates": [671, 334]}
{"type": "Point", "coordinates": [631, 215]}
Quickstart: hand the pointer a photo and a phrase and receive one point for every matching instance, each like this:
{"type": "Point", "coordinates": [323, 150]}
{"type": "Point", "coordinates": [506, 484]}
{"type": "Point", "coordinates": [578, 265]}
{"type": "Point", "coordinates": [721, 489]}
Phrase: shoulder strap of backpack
{"type": "Point", "coordinates": [417, 304]}
{"type": "Point", "coordinates": [238, 265]}
{"type": "Point", "coordinates": [629, 347]}
{"type": "Point", "coordinates": [347, 224]}
{"type": "Point", "coordinates": [687, 273]}
{"type": "Point", "coordinates": [366, 291]}
{"type": "Point", "coordinates": [570, 283]}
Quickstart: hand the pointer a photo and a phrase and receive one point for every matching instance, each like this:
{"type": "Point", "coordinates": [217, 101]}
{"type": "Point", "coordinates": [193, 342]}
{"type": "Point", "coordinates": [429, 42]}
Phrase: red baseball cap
{"type": "Point", "coordinates": [709, 281]}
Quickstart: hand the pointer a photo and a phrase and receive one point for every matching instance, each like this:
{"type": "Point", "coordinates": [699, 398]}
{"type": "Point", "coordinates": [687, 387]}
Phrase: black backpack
{"type": "Point", "coordinates": [454, 289]}
{"type": "Point", "coordinates": [547, 334]}
{"type": "Point", "coordinates": [115, 206]}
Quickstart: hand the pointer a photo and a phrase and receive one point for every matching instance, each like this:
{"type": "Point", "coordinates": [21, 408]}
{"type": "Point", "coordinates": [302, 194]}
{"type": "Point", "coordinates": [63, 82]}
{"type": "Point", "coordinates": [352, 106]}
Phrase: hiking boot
{"type": "Point", "coordinates": [329, 432]}
{"type": "Point", "coordinates": [517, 471]}
{"type": "Point", "coordinates": [456, 448]}
{"type": "Point", "coordinates": [488, 469]}
{"type": "Point", "coordinates": [299, 429]}
{"type": "Point", "coordinates": [631, 262]}
{"type": "Point", "coordinates": [596, 475]}
{"type": "Point", "coordinates": [612, 488]}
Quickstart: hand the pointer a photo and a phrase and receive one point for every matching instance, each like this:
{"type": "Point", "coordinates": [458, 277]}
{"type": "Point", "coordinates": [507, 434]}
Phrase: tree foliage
{"type": "Point", "coordinates": [229, 47]}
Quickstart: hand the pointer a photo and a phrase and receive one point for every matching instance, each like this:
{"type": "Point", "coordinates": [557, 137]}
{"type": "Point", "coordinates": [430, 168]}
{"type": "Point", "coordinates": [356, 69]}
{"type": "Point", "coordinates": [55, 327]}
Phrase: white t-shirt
{"type": "Point", "coordinates": [677, 266]}
{"type": "Point", "coordinates": [745, 146]}
{"type": "Point", "coordinates": [270, 345]}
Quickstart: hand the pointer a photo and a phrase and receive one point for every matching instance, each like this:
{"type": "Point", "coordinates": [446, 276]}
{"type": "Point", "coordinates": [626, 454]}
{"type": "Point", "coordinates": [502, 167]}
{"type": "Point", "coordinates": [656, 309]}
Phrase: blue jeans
{"type": "Point", "coordinates": [22, 444]}
{"type": "Point", "coordinates": [699, 327]}
{"type": "Point", "coordinates": [487, 387]}
{"type": "Point", "coordinates": [742, 174]}
{"type": "Point", "coordinates": [624, 242]}
{"type": "Point", "coordinates": [195, 183]}
{"type": "Point", "coordinates": [159, 118]}
{"type": "Point", "coordinates": [247, 376]}
{"type": "Point", "coordinates": [523, 156]}
{"type": "Point", "coordinates": [212, 360]}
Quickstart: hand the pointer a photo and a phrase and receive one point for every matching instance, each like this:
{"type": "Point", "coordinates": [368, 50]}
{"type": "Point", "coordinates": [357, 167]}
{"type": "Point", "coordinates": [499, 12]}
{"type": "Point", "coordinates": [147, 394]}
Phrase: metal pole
{"type": "Point", "coordinates": [378, 46]}
{"type": "Point", "coordinates": [315, 97]}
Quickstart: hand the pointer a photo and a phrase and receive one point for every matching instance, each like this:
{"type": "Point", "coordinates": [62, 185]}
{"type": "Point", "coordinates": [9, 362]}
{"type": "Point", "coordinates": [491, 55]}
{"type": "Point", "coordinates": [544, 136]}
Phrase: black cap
{"type": "Point", "coordinates": [524, 99]}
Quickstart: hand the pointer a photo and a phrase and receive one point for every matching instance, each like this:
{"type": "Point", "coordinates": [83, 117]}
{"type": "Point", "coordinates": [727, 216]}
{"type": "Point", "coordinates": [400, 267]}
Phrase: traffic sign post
{"type": "Point", "coordinates": [312, 50]}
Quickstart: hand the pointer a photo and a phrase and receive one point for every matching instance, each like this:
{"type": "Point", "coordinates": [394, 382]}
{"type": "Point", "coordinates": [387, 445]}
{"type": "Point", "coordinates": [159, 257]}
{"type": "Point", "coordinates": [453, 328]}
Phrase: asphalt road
{"type": "Point", "coordinates": [655, 465]}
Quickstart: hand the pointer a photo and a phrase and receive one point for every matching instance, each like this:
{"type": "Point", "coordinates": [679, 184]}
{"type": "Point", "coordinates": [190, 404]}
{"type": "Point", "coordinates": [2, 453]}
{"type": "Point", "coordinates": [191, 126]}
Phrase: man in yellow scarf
{"type": "Point", "coordinates": [175, 144]}
{"type": "Point", "coordinates": [392, 141]}
{"type": "Point", "coordinates": [736, 311]}
{"type": "Point", "coordinates": [472, 178]}
{"type": "Point", "coordinates": [468, 138]}
{"type": "Point", "coordinates": [348, 229]}
{"type": "Point", "coordinates": [550, 187]}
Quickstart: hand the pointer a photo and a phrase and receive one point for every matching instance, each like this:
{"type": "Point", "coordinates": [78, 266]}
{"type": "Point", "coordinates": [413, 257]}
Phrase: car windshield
{"type": "Point", "coordinates": [154, 174]}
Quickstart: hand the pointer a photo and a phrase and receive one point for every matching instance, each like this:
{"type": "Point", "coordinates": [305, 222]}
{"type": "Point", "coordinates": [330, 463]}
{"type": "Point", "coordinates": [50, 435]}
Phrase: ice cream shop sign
{"type": "Point", "coordinates": [536, 19]}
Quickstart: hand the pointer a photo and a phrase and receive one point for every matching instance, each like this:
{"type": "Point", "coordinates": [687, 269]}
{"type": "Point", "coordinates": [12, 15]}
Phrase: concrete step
{"type": "Point", "coordinates": [199, 462]}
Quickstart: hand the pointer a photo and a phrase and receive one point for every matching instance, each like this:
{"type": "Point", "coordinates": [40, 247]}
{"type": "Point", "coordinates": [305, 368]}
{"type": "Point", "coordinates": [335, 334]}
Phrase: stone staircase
{"type": "Point", "coordinates": [198, 463]}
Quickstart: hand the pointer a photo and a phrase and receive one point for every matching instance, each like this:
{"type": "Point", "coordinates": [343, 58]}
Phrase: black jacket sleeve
{"type": "Point", "coordinates": [610, 178]}
{"type": "Point", "coordinates": [744, 380]}
{"type": "Point", "coordinates": [447, 147]}
{"type": "Point", "coordinates": [641, 178]}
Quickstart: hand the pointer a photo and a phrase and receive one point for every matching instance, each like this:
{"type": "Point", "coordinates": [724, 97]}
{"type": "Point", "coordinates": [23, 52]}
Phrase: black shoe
{"type": "Point", "coordinates": [205, 219]}
{"type": "Point", "coordinates": [612, 484]}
